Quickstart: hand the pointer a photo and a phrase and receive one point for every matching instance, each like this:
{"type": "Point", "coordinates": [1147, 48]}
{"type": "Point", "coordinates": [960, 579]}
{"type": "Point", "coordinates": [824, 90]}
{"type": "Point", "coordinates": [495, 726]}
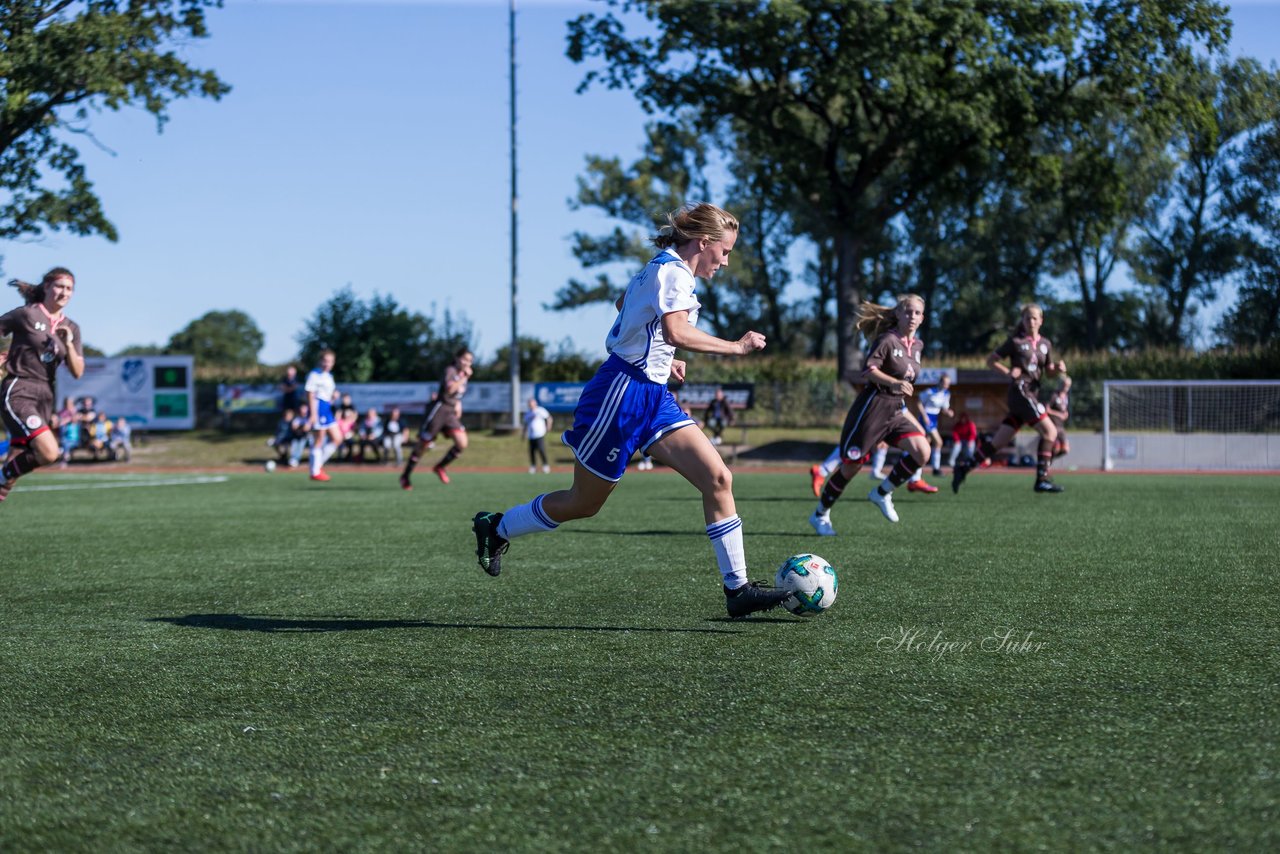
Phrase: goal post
{"type": "Point", "coordinates": [1192, 425]}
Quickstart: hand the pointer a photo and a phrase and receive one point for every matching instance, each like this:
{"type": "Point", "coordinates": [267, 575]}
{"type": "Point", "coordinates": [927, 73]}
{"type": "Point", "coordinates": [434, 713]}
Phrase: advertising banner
{"type": "Point", "coordinates": [151, 392]}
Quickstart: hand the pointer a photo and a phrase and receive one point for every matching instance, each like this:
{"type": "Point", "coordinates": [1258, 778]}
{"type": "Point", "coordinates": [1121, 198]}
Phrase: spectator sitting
{"type": "Point", "coordinates": [122, 440]}
{"type": "Point", "coordinates": [88, 417]}
{"type": "Point", "coordinates": [718, 416]}
{"type": "Point", "coordinates": [369, 431]}
{"type": "Point", "coordinates": [100, 436]}
{"type": "Point", "coordinates": [67, 412]}
{"type": "Point", "coordinates": [300, 438]}
{"type": "Point", "coordinates": [283, 436]}
{"type": "Point", "coordinates": [347, 416]}
{"type": "Point", "coordinates": [70, 432]}
{"type": "Point", "coordinates": [964, 439]}
{"type": "Point", "coordinates": [393, 437]}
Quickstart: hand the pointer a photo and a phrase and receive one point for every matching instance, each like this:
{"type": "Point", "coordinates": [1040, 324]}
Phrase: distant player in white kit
{"type": "Point", "coordinates": [626, 407]}
{"type": "Point", "coordinates": [320, 388]}
{"type": "Point", "coordinates": [936, 402]}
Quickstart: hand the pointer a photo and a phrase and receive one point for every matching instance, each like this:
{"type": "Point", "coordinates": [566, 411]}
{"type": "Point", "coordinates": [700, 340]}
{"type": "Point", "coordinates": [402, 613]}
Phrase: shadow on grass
{"type": "Point", "coordinates": [274, 623]}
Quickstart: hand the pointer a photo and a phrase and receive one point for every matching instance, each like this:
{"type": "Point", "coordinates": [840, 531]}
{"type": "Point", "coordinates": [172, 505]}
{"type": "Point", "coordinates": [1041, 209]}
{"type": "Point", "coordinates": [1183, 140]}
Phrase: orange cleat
{"type": "Point", "coordinates": [441, 473]}
{"type": "Point", "coordinates": [322, 477]}
{"type": "Point", "coordinates": [921, 486]}
{"type": "Point", "coordinates": [405, 484]}
{"type": "Point", "coordinates": [815, 472]}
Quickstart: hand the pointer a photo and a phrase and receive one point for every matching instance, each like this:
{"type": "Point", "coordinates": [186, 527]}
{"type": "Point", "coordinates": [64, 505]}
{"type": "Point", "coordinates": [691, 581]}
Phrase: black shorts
{"type": "Point", "coordinates": [875, 417]}
{"type": "Point", "coordinates": [27, 408]}
{"type": "Point", "coordinates": [1024, 406]}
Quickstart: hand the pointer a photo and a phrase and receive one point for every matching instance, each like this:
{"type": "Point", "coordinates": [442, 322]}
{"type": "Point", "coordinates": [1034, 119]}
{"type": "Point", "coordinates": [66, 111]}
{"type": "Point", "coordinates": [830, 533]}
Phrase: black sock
{"type": "Point", "coordinates": [22, 464]}
{"type": "Point", "coordinates": [453, 454]}
{"type": "Point", "coordinates": [902, 470]}
{"type": "Point", "coordinates": [986, 451]}
{"type": "Point", "coordinates": [833, 489]}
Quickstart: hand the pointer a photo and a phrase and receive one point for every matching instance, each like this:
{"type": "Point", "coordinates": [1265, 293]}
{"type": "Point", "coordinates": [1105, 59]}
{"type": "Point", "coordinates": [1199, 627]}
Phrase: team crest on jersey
{"type": "Point", "coordinates": [1044, 348]}
{"type": "Point", "coordinates": [33, 421]}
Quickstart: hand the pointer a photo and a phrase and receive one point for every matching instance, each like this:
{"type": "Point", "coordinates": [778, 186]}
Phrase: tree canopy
{"type": "Point", "coordinates": [379, 340]}
{"type": "Point", "coordinates": [230, 338]}
{"type": "Point", "coordinates": [976, 150]}
{"type": "Point", "coordinates": [60, 62]}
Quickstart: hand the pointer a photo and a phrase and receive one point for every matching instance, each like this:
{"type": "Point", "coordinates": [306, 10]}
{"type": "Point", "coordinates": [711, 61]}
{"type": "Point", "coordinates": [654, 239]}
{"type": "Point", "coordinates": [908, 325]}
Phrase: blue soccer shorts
{"type": "Point", "coordinates": [324, 414]}
{"type": "Point", "coordinates": [620, 411]}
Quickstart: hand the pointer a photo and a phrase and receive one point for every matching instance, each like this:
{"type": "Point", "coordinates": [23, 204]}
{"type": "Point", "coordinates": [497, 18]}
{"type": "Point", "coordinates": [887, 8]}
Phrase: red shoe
{"type": "Point", "coordinates": [815, 472]}
{"type": "Point", "coordinates": [920, 486]}
{"type": "Point", "coordinates": [322, 477]}
{"type": "Point", "coordinates": [441, 473]}
{"type": "Point", "coordinates": [404, 483]}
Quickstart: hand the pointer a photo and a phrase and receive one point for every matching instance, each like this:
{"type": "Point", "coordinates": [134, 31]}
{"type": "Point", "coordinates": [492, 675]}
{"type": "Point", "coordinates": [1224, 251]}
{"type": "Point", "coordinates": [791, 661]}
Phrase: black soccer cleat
{"type": "Point", "coordinates": [959, 472]}
{"type": "Point", "coordinates": [1047, 486]}
{"type": "Point", "coordinates": [489, 546]}
{"type": "Point", "coordinates": [753, 597]}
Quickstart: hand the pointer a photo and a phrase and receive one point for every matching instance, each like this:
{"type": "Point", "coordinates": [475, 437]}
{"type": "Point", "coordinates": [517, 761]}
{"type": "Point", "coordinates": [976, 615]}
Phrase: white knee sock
{"type": "Point", "coordinates": [936, 459]}
{"type": "Point", "coordinates": [915, 478]}
{"type": "Point", "coordinates": [877, 460]}
{"type": "Point", "coordinates": [831, 463]}
{"type": "Point", "coordinates": [726, 540]}
{"type": "Point", "coordinates": [525, 519]}
{"type": "Point", "coordinates": [320, 455]}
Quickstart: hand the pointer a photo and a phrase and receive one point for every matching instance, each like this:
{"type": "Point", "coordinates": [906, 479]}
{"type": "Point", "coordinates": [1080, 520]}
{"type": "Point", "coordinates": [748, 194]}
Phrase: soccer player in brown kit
{"type": "Point", "coordinates": [1030, 356]}
{"type": "Point", "coordinates": [880, 411]}
{"type": "Point", "coordinates": [43, 337]}
{"type": "Point", "coordinates": [443, 416]}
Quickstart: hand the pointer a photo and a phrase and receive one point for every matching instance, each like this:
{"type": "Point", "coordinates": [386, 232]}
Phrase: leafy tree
{"type": "Point", "coordinates": [379, 340]}
{"type": "Point", "coordinates": [142, 350]}
{"type": "Point", "coordinates": [1192, 238]}
{"type": "Point", "coordinates": [539, 363]}
{"type": "Point", "coordinates": [220, 338]}
{"type": "Point", "coordinates": [866, 106]}
{"type": "Point", "coordinates": [1255, 196]}
{"type": "Point", "coordinates": [61, 61]}
{"type": "Point", "coordinates": [1109, 162]}
{"type": "Point", "coordinates": [636, 195]}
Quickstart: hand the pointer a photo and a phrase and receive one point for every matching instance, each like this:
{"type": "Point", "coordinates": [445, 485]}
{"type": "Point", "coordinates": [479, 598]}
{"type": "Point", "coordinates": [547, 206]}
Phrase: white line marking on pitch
{"type": "Point", "coordinates": [121, 484]}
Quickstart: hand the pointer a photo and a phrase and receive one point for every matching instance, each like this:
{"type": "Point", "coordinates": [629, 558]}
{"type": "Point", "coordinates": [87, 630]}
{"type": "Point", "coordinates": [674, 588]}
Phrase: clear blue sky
{"type": "Point", "coordinates": [364, 143]}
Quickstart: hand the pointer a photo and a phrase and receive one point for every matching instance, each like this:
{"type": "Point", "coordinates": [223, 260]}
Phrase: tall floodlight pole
{"type": "Point", "coordinates": [515, 342]}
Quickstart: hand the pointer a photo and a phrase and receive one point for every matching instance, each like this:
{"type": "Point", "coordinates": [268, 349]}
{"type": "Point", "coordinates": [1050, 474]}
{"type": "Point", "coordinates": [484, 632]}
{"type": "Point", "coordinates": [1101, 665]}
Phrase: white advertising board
{"type": "Point", "coordinates": [152, 392]}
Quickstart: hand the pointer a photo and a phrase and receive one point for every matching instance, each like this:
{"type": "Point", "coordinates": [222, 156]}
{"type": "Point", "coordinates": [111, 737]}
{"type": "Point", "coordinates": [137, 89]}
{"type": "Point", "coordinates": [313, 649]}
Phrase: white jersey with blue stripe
{"type": "Point", "coordinates": [666, 284]}
{"type": "Point", "coordinates": [321, 384]}
{"type": "Point", "coordinates": [935, 399]}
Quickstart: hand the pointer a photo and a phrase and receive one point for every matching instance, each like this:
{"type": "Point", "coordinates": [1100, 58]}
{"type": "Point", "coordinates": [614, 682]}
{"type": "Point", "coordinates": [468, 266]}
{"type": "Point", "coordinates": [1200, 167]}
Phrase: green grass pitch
{"type": "Point", "coordinates": [263, 663]}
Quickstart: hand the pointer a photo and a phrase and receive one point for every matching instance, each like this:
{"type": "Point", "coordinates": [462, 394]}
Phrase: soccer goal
{"type": "Point", "coordinates": [1223, 425]}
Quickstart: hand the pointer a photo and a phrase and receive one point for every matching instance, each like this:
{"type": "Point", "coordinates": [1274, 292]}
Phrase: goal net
{"type": "Point", "coordinates": [1224, 425]}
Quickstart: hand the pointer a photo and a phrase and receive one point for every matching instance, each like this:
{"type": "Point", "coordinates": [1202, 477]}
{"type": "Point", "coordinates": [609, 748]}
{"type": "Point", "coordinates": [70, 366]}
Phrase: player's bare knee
{"type": "Point", "coordinates": [719, 482]}
{"type": "Point", "coordinates": [45, 455]}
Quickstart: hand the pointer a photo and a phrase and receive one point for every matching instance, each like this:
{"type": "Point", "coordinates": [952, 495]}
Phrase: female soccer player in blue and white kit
{"type": "Point", "coordinates": [626, 407]}
{"type": "Point", "coordinates": [320, 388]}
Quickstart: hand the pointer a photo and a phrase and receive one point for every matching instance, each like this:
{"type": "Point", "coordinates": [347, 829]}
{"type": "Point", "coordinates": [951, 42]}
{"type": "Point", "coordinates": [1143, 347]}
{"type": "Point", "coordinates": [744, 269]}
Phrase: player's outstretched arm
{"type": "Point", "coordinates": [679, 332]}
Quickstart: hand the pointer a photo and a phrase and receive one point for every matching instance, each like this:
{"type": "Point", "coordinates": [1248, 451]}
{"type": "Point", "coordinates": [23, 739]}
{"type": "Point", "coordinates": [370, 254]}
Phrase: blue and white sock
{"type": "Point", "coordinates": [726, 539]}
{"type": "Point", "coordinates": [525, 519]}
{"type": "Point", "coordinates": [936, 458]}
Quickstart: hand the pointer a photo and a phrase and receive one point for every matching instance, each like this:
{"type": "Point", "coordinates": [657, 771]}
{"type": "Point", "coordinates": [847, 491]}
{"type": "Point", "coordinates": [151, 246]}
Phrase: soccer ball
{"type": "Point", "coordinates": [269, 466]}
{"type": "Point", "coordinates": [812, 582]}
